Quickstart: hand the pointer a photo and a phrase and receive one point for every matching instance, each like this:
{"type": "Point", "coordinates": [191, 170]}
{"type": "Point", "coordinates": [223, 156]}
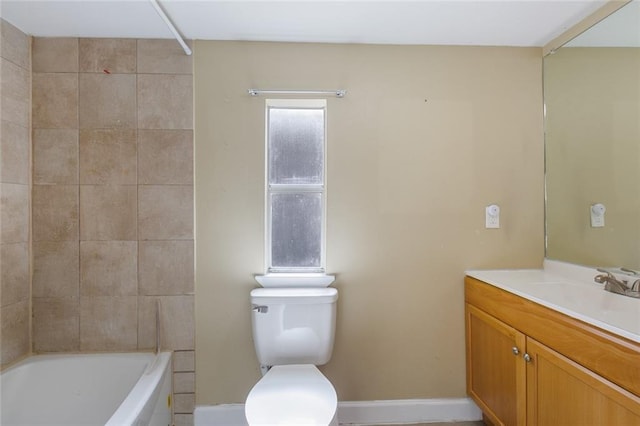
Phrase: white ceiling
{"type": "Point", "coordinates": [442, 22]}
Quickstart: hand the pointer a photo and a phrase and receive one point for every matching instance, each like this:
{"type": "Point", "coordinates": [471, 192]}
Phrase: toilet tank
{"type": "Point", "coordinates": [293, 325]}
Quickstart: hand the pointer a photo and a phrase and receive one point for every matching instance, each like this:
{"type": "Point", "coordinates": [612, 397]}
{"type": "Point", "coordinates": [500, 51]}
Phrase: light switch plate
{"type": "Point", "coordinates": [597, 215]}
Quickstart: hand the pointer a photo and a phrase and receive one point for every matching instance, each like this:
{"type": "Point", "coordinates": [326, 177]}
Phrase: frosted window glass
{"type": "Point", "coordinates": [296, 143]}
{"type": "Point", "coordinates": [296, 226]}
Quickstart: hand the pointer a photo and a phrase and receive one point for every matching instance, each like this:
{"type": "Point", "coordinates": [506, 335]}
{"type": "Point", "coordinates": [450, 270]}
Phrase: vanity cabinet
{"type": "Point", "coordinates": [495, 370]}
{"type": "Point", "coordinates": [531, 365]}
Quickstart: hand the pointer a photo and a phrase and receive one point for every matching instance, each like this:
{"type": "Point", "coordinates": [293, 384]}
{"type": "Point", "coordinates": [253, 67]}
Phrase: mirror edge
{"type": "Point", "coordinates": [605, 10]}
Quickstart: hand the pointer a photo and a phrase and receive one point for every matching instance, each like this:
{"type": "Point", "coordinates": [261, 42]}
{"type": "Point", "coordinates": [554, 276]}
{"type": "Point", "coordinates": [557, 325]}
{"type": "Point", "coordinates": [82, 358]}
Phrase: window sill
{"type": "Point", "coordinates": [294, 280]}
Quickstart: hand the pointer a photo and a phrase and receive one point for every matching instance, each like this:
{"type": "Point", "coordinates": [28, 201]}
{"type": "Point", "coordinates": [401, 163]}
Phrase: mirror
{"type": "Point", "coordinates": [592, 144]}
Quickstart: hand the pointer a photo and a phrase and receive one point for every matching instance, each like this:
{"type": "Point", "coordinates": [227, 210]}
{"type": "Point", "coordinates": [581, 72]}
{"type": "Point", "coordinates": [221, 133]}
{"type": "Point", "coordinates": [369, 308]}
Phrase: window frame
{"type": "Point", "coordinates": [295, 188]}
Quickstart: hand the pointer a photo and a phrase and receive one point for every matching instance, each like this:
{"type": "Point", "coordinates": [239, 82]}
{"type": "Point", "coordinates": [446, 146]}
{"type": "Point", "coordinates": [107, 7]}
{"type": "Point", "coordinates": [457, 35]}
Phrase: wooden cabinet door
{"type": "Point", "coordinates": [562, 392]}
{"type": "Point", "coordinates": [496, 372]}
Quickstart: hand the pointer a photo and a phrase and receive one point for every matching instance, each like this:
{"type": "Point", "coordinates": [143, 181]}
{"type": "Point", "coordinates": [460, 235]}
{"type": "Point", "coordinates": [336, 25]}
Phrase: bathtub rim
{"type": "Point", "coordinates": [35, 356]}
{"type": "Point", "coordinates": [145, 392]}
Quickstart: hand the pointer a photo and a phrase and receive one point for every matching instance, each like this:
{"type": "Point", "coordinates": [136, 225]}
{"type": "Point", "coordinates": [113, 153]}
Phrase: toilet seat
{"type": "Point", "coordinates": [293, 395]}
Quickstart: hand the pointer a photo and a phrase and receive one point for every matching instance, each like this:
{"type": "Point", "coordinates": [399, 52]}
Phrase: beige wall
{"type": "Point", "coordinates": [15, 192]}
{"type": "Point", "coordinates": [425, 139]}
{"type": "Point", "coordinates": [593, 155]}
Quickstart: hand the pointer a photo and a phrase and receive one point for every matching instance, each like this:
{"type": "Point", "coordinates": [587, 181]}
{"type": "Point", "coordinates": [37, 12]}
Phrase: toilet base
{"type": "Point", "coordinates": [292, 395]}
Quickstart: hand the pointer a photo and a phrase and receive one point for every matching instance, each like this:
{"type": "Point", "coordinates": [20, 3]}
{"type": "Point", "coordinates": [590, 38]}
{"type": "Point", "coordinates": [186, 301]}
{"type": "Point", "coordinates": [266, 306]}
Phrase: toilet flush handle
{"type": "Point", "coordinates": [261, 309]}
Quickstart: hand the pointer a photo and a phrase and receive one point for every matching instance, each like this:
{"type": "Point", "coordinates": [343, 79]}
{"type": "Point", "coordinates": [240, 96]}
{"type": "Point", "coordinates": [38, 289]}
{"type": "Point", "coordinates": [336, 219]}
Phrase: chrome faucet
{"type": "Point", "coordinates": [616, 285]}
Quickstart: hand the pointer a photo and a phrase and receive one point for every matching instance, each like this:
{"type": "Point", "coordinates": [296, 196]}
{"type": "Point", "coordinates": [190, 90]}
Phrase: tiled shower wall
{"type": "Point", "coordinates": [15, 194]}
{"type": "Point", "coordinates": [113, 200]}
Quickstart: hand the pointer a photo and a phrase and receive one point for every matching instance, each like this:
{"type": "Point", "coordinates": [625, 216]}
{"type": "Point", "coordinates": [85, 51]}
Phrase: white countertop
{"type": "Point", "coordinates": [570, 289]}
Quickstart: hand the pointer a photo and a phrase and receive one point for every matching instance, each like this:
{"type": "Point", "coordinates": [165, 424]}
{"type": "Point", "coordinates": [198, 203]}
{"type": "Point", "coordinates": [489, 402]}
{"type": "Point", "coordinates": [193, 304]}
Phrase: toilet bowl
{"type": "Point", "coordinates": [293, 395]}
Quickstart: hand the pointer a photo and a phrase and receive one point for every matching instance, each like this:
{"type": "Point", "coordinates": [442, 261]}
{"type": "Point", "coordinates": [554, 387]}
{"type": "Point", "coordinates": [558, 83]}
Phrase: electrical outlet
{"type": "Point", "coordinates": [492, 217]}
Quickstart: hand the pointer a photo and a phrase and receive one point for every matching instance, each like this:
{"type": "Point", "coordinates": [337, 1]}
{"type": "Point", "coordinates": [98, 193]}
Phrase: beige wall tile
{"type": "Point", "coordinates": [56, 269]}
{"type": "Point", "coordinates": [108, 268]}
{"type": "Point", "coordinates": [55, 156]}
{"type": "Point", "coordinates": [165, 212]}
{"type": "Point", "coordinates": [15, 110]}
{"type": "Point", "coordinates": [14, 273]}
{"type": "Point", "coordinates": [184, 361]}
{"type": "Point", "coordinates": [184, 403]}
{"type": "Point", "coordinates": [15, 81]}
{"type": "Point", "coordinates": [108, 323]}
{"type": "Point", "coordinates": [163, 57]}
{"type": "Point", "coordinates": [113, 55]}
{"type": "Point", "coordinates": [108, 212]}
{"type": "Point", "coordinates": [16, 45]}
{"type": "Point", "coordinates": [165, 157]}
{"type": "Point", "coordinates": [166, 267]}
{"type": "Point", "coordinates": [55, 212]}
{"type": "Point", "coordinates": [106, 316]}
{"type": "Point", "coordinates": [54, 54]}
{"type": "Point", "coordinates": [56, 324]}
{"type": "Point", "coordinates": [14, 213]}
{"type": "Point", "coordinates": [55, 101]}
{"type": "Point", "coordinates": [176, 322]}
{"type": "Point", "coordinates": [108, 156]}
{"type": "Point", "coordinates": [107, 101]}
{"type": "Point", "coordinates": [147, 307]}
{"type": "Point", "coordinates": [16, 93]}
{"type": "Point", "coordinates": [183, 419]}
{"type": "Point", "coordinates": [165, 101]}
{"type": "Point", "coordinates": [15, 164]}
{"type": "Point", "coordinates": [184, 382]}
{"type": "Point", "coordinates": [14, 331]}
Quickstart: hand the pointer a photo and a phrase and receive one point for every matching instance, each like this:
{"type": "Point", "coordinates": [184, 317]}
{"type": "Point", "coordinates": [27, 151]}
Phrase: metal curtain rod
{"type": "Point", "coordinates": [337, 93]}
{"type": "Point", "coordinates": [172, 27]}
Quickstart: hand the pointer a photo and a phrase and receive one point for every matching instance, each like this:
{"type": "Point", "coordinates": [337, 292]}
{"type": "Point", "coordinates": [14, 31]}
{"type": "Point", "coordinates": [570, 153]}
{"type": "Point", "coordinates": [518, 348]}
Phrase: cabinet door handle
{"type": "Point", "coordinates": [515, 350]}
{"type": "Point", "coordinates": [526, 357]}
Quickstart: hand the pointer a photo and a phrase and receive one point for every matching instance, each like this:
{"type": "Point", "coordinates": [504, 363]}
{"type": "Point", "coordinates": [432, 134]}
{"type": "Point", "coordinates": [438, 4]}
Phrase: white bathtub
{"type": "Point", "coordinates": [92, 389]}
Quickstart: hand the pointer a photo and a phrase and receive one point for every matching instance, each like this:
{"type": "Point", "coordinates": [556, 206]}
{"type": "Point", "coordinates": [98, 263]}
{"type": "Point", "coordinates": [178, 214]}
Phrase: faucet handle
{"type": "Point", "coordinates": [629, 271]}
{"type": "Point", "coordinates": [604, 271]}
{"type": "Point", "coordinates": [604, 278]}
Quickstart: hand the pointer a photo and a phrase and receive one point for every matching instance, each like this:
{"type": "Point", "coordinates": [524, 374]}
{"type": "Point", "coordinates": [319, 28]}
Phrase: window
{"type": "Point", "coordinates": [295, 171]}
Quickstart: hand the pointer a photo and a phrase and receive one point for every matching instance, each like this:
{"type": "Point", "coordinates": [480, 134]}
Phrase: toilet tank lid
{"type": "Point", "coordinates": [294, 295]}
{"type": "Point", "coordinates": [302, 280]}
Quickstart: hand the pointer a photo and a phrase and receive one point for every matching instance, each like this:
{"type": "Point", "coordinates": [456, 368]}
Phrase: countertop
{"type": "Point", "coordinates": [570, 289]}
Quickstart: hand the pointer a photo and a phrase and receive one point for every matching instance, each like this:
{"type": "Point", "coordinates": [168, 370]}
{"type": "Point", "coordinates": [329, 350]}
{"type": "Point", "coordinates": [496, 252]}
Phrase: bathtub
{"type": "Point", "coordinates": [88, 389]}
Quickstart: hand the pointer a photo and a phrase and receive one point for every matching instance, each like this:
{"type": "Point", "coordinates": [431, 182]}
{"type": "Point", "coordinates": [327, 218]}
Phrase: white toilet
{"type": "Point", "coordinates": [293, 331]}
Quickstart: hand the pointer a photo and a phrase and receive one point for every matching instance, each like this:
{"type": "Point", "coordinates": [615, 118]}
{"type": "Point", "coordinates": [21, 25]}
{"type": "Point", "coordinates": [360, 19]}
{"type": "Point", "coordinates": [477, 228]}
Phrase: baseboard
{"type": "Point", "coordinates": [407, 411]}
{"type": "Point", "coordinates": [401, 411]}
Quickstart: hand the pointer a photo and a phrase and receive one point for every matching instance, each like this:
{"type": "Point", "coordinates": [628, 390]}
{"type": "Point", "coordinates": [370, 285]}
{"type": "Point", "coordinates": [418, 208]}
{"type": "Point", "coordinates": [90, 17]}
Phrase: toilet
{"type": "Point", "coordinates": [293, 332]}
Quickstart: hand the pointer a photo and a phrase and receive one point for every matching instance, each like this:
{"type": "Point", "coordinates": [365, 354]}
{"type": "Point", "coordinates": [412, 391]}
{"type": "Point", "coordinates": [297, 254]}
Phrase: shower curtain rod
{"type": "Point", "coordinates": [172, 27]}
{"type": "Point", "coordinates": [337, 93]}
